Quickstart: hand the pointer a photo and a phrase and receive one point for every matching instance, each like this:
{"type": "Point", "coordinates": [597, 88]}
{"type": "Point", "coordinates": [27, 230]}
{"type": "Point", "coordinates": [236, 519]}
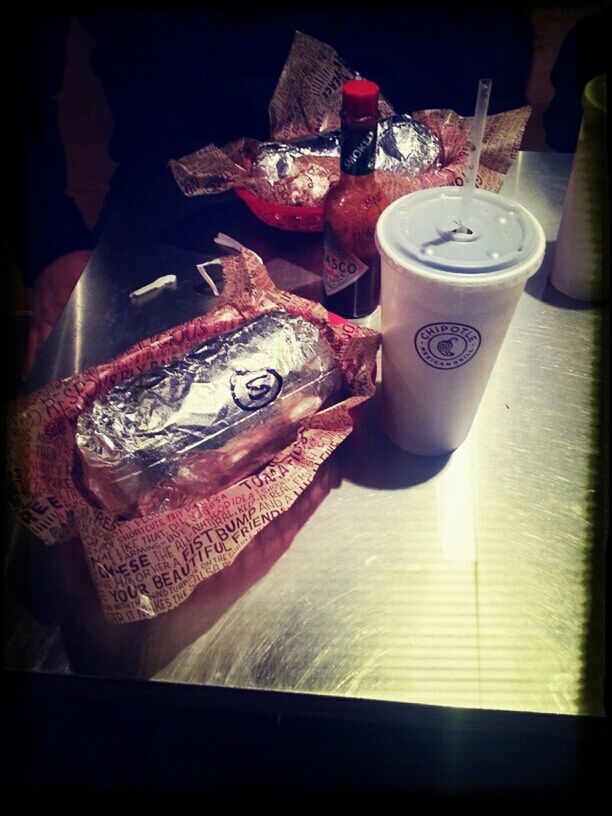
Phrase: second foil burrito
{"type": "Point", "coordinates": [404, 146]}
{"type": "Point", "coordinates": [187, 429]}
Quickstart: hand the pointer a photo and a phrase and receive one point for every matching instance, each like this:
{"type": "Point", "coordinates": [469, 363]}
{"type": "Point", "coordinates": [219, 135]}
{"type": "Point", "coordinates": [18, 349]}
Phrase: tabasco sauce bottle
{"type": "Point", "coordinates": [351, 264]}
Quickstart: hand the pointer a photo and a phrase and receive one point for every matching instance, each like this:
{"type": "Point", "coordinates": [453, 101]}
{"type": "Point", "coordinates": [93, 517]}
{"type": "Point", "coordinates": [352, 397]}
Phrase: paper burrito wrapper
{"type": "Point", "coordinates": [298, 165]}
{"type": "Point", "coordinates": [149, 564]}
{"type": "Point", "coordinates": [200, 423]}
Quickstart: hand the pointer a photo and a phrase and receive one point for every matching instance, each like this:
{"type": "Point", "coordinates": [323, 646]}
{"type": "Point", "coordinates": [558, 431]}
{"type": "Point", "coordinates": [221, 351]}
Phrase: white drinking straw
{"type": "Point", "coordinates": [475, 146]}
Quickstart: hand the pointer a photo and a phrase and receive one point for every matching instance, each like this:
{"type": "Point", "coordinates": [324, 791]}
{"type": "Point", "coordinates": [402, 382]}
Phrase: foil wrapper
{"type": "Point", "coordinates": [185, 430]}
{"type": "Point", "coordinates": [404, 146]}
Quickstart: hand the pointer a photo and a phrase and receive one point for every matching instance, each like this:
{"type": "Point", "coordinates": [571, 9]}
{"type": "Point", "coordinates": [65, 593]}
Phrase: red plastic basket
{"type": "Point", "coordinates": [282, 216]}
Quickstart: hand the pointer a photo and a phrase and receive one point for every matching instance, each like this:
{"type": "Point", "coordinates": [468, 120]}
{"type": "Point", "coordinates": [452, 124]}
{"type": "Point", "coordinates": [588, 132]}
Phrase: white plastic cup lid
{"type": "Point", "coordinates": [420, 231]}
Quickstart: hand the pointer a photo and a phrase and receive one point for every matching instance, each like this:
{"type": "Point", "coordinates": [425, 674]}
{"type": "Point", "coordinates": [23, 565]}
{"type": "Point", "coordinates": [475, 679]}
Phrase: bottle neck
{"type": "Point", "coordinates": [358, 148]}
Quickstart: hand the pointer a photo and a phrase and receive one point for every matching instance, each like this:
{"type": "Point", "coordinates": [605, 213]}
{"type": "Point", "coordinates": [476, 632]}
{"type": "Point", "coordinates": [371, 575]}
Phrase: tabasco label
{"type": "Point", "coordinates": [340, 269]}
{"type": "Point", "coordinates": [358, 151]}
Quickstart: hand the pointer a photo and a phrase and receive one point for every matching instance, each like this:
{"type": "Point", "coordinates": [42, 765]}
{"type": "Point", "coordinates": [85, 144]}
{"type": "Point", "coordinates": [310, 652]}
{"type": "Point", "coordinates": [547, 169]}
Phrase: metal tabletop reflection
{"type": "Point", "coordinates": [469, 580]}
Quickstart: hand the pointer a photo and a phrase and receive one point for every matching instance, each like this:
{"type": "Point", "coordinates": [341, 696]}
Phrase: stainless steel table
{"type": "Point", "coordinates": [473, 580]}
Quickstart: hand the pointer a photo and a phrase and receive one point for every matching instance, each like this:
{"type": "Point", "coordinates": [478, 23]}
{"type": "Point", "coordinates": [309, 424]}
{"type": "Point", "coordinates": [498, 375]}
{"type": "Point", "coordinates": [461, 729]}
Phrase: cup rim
{"type": "Point", "coordinates": [594, 95]}
{"type": "Point", "coordinates": [523, 270]}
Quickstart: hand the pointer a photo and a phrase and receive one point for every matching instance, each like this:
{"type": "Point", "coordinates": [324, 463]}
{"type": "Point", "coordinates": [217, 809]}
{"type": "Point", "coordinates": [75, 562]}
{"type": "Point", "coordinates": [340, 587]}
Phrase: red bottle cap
{"type": "Point", "coordinates": [360, 98]}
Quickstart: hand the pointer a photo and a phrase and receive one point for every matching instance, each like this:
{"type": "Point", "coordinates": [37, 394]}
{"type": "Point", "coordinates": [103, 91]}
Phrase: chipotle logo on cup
{"type": "Point", "coordinates": [446, 345]}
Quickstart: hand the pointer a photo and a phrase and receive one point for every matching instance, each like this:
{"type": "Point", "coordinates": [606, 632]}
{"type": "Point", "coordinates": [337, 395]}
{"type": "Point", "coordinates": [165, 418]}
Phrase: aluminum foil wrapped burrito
{"type": "Point", "coordinates": [193, 426]}
{"type": "Point", "coordinates": [177, 415]}
{"type": "Point", "coordinates": [300, 171]}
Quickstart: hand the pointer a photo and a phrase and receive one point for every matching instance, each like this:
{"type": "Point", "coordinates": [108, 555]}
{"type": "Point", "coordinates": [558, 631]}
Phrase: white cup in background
{"type": "Point", "coordinates": [580, 252]}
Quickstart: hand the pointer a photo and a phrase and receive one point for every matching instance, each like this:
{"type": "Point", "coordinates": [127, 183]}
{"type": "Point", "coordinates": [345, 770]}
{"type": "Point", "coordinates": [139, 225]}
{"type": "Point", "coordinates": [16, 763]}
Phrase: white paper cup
{"type": "Point", "coordinates": [578, 267]}
{"type": "Point", "coordinates": [447, 299]}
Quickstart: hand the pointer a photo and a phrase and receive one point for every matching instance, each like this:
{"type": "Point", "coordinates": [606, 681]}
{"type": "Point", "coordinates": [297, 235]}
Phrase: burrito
{"type": "Point", "coordinates": [404, 146]}
{"type": "Point", "coordinates": [185, 430]}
